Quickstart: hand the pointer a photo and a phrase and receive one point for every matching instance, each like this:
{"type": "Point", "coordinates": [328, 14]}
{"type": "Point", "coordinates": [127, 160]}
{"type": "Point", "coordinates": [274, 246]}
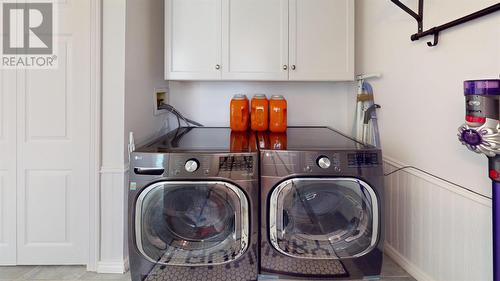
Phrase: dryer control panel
{"type": "Point", "coordinates": [322, 161]}
{"type": "Point", "coordinates": [334, 163]}
{"type": "Point", "coordinates": [362, 159]}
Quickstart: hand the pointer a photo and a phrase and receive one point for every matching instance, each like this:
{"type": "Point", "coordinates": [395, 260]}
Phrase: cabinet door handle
{"type": "Point", "coordinates": [285, 67]}
{"type": "Point", "coordinates": [217, 66]}
{"type": "Point", "coordinates": [294, 67]}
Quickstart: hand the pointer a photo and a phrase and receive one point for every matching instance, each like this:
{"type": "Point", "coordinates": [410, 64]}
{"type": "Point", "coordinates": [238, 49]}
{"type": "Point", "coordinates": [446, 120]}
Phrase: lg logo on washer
{"type": "Point", "coordinates": [28, 35]}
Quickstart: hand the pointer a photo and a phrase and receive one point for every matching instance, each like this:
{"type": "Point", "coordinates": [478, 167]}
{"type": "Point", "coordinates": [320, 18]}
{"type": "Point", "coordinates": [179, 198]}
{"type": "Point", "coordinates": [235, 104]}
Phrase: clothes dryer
{"type": "Point", "coordinates": [321, 205]}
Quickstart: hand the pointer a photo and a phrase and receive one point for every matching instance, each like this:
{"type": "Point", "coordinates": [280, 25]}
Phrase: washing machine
{"type": "Point", "coordinates": [322, 199]}
{"type": "Point", "coordinates": [192, 197]}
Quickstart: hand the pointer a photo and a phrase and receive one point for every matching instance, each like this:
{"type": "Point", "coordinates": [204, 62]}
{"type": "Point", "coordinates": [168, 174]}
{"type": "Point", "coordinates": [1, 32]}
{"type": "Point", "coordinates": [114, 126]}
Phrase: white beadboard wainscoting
{"type": "Point", "coordinates": [113, 220]}
{"type": "Point", "coordinates": [434, 230]}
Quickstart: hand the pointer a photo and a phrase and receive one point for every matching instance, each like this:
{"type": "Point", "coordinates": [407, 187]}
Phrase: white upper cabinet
{"type": "Point", "coordinates": [255, 40]}
{"type": "Point", "coordinates": [193, 39]}
{"type": "Point", "coordinates": [321, 40]}
{"type": "Point", "coordinates": [273, 40]}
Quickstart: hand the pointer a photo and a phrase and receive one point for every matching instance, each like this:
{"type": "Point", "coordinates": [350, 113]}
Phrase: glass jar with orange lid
{"type": "Point", "coordinates": [259, 113]}
{"type": "Point", "coordinates": [277, 114]}
{"type": "Point", "coordinates": [239, 113]}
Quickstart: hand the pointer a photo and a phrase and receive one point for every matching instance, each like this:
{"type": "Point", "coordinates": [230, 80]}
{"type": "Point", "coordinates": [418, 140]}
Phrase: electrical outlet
{"type": "Point", "coordinates": [160, 96]}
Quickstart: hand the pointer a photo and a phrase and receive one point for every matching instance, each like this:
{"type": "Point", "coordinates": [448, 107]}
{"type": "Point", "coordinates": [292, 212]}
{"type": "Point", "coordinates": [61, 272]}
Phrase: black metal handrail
{"type": "Point", "coordinates": [436, 30]}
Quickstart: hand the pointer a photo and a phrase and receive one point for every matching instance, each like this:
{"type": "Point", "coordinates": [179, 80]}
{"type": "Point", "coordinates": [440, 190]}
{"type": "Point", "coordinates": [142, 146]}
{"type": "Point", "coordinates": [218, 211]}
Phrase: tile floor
{"type": "Point", "coordinates": [391, 272]}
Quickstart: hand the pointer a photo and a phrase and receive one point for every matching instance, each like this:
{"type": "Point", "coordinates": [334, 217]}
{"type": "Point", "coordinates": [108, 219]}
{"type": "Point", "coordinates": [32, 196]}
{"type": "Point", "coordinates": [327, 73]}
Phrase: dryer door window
{"type": "Point", "coordinates": [324, 218]}
{"type": "Point", "coordinates": [192, 223]}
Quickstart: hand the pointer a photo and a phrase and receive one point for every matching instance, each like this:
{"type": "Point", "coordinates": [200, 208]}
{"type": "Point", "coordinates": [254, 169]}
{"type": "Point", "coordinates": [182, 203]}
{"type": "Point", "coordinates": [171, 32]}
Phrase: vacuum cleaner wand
{"type": "Point", "coordinates": [481, 134]}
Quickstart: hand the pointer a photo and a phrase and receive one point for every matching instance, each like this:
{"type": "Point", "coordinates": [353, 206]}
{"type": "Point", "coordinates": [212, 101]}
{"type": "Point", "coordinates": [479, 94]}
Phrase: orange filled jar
{"type": "Point", "coordinates": [260, 113]}
{"type": "Point", "coordinates": [239, 111]}
{"type": "Point", "coordinates": [277, 114]}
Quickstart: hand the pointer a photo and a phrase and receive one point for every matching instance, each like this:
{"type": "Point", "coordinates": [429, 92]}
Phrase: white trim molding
{"type": "Point", "coordinates": [114, 170]}
{"type": "Point", "coordinates": [413, 270]}
{"type": "Point", "coordinates": [95, 147]}
{"type": "Point", "coordinates": [112, 267]}
{"type": "Point", "coordinates": [435, 230]}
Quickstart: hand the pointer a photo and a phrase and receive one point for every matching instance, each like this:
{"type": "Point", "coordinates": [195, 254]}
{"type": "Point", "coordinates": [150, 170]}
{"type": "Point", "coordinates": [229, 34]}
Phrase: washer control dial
{"type": "Point", "coordinates": [324, 162]}
{"type": "Point", "coordinates": [192, 165]}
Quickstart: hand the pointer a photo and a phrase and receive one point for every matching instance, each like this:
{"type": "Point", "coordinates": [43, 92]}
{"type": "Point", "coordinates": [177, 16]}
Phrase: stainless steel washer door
{"type": "Point", "coordinates": [192, 223]}
{"type": "Point", "coordinates": [324, 218]}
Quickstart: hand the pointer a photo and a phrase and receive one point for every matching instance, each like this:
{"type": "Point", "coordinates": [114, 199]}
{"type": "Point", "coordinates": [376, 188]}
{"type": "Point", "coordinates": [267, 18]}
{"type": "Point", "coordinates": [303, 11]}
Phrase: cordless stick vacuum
{"type": "Point", "coordinates": [481, 134]}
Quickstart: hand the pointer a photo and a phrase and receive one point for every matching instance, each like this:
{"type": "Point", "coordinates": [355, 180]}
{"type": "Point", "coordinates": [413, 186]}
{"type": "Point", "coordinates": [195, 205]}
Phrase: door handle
{"type": "Point", "coordinates": [149, 171]}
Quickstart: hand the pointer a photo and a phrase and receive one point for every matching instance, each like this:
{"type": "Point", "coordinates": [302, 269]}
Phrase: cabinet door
{"type": "Point", "coordinates": [321, 40]}
{"type": "Point", "coordinates": [193, 39]}
{"type": "Point", "coordinates": [255, 40]}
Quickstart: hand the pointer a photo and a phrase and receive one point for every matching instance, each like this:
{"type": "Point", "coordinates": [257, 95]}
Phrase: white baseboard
{"type": "Point", "coordinates": [112, 267]}
{"type": "Point", "coordinates": [412, 269]}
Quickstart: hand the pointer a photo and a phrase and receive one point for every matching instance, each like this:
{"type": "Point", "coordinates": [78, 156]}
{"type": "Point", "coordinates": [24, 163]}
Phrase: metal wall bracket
{"type": "Point", "coordinates": [419, 17]}
{"type": "Point", "coordinates": [436, 30]}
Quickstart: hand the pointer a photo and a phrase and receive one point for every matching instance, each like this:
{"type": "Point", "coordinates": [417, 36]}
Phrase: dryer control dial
{"type": "Point", "coordinates": [192, 165]}
{"type": "Point", "coordinates": [324, 162]}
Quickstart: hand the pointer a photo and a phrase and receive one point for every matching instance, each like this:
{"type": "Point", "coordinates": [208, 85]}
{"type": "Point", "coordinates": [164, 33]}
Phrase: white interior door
{"type": "Point", "coordinates": [322, 40]}
{"type": "Point", "coordinates": [7, 167]}
{"type": "Point", "coordinates": [53, 132]}
{"type": "Point", "coordinates": [193, 39]}
{"type": "Point", "coordinates": [255, 40]}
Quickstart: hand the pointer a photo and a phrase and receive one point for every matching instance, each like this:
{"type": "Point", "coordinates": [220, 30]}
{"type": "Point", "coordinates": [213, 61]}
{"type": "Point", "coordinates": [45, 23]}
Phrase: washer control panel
{"type": "Point", "coordinates": [237, 166]}
{"type": "Point", "coordinates": [324, 162]}
{"type": "Point", "coordinates": [192, 165]}
{"type": "Point", "coordinates": [236, 163]}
